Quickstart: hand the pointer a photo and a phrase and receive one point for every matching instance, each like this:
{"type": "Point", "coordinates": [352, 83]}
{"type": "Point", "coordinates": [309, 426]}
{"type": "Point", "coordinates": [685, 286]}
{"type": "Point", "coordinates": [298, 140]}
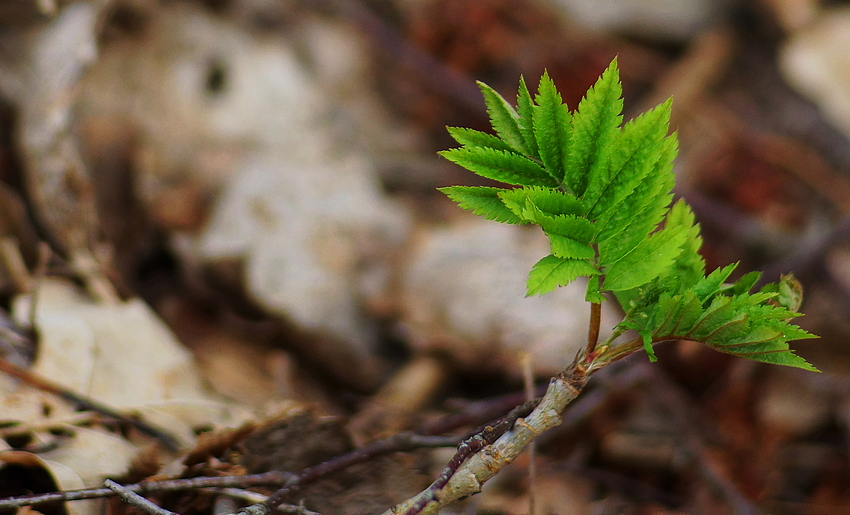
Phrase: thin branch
{"type": "Point", "coordinates": [169, 485]}
{"type": "Point", "coordinates": [401, 442]}
{"type": "Point", "coordinates": [486, 437]}
{"type": "Point", "coordinates": [134, 499]}
{"type": "Point", "coordinates": [254, 497]}
{"type": "Point", "coordinates": [478, 468]}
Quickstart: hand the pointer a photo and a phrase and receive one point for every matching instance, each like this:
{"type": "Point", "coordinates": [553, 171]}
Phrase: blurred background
{"type": "Point", "coordinates": [258, 177]}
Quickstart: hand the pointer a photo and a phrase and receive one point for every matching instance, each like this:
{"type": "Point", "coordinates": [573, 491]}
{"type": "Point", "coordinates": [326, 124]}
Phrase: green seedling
{"type": "Point", "coordinates": [602, 192]}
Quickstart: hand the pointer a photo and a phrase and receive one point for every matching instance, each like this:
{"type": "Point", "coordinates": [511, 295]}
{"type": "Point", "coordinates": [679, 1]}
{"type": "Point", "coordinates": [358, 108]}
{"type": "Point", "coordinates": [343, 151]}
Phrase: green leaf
{"type": "Point", "coordinates": [636, 151]}
{"type": "Point", "coordinates": [689, 267]}
{"type": "Point", "coordinates": [678, 315]}
{"type": "Point", "coordinates": [483, 201]}
{"type": "Point", "coordinates": [628, 222]}
{"type": "Point", "coordinates": [569, 236]}
{"type": "Point", "coordinates": [551, 202]}
{"type": "Point", "coordinates": [593, 294]}
{"type": "Point", "coordinates": [551, 272]}
{"type": "Point", "coordinates": [551, 125]}
{"type": "Point", "coordinates": [525, 110]}
{"type": "Point", "coordinates": [646, 336]}
{"type": "Point", "coordinates": [474, 138]}
{"type": "Point", "coordinates": [646, 261]}
{"type": "Point", "coordinates": [712, 283]}
{"type": "Point", "coordinates": [500, 166]}
{"type": "Point", "coordinates": [600, 193]}
{"type": "Point", "coordinates": [503, 118]}
{"type": "Point", "coordinates": [594, 127]}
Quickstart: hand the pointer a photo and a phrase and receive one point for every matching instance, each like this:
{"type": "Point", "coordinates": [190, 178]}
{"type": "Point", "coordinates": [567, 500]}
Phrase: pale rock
{"type": "Point", "coordinates": [464, 292]}
{"type": "Point", "coordinates": [665, 19]}
{"type": "Point", "coordinates": [304, 230]}
{"type": "Point", "coordinates": [814, 62]}
{"type": "Point", "coordinates": [790, 403]}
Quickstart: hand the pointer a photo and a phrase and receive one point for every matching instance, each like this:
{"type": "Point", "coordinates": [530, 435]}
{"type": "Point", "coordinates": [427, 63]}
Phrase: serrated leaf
{"type": "Point", "coordinates": [745, 283]}
{"type": "Point", "coordinates": [503, 118]}
{"type": "Point", "coordinates": [593, 294]}
{"type": "Point", "coordinates": [500, 166]}
{"type": "Point", "coordinates": [483, 201]}
{"type": "Point", "coordinates": [525, 110]}
{"type": "Point", "coordinates": [474, 138]}
{"type": "Point", "coordinates": [593, 129]}
{"type": "Point", "coordinates": [551, 272]}
{"type": "Point", "coordinates": [551, 127]}
{"type": "Point", "coordinates": [678, 315]}
{"type": "Point", "coordinates": [712, 283]}
{"type": "Point", "coordinates": [636, 151]}
{"type": "Point", "coordinates": [646, 261]}
{"type": "Point", "coordinates": [769, 345]}
{"type": "Point", "coordinates": [628, 222]}
{"type": "Point", "coordinates": [569, 236]}
{"type": "Point", "coordinates": [646, 336]}
{"type": "Point", "coordinates": [551, 202]}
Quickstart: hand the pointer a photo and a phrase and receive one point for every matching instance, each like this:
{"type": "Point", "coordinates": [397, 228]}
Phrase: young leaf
{"type": "Point", "coordinates": [551, 202]}
{"type": "Point", "coordinates": [500, 166]}
{"type": "Point", "coordinates": [525, 110]}
{"type": "Point", "coordinates": [646, 261]}
{"type": "Point", "coordinates": [636, 151]}
{"type": "Point", "coordinates": [628, 223]}
{"type": "Point", "coordinates": [503, 118]}
{"type": "Point", "coordinates": [600, 192]}
{"type": "Point", "coordinates": [474, 138]}
{"type": "Point", "coordinates": [551, 272]}
{"type": "Point", "coordinates": [551, 123]}
{"type": "Point", "coordinates": [483, 201]}
{"type": "Point", "coordinates": [593, 129]}
{"type": "Point", "coordinates": [568, 235]}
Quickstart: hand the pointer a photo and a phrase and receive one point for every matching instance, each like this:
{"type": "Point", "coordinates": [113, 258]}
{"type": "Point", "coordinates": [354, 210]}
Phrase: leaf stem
{"type": "Point", "coordinates": [593, 330]}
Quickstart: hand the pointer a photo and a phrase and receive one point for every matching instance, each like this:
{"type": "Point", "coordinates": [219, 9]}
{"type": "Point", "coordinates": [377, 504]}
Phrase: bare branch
{"type": "Point", "coordinates": [134, 499]}
{"type": "Point", "coordinates": [480, 467]}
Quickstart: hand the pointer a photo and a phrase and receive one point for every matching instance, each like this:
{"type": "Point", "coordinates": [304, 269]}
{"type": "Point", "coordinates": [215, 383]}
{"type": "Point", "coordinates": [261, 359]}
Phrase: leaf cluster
{"type": "Point", "coordinates": [601, 191]}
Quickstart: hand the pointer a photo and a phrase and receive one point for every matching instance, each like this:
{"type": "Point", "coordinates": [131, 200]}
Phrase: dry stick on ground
{"type": "Point", "coordinates": [402, 442]}
{"type": "Point", "coordinates": [134, 499]}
